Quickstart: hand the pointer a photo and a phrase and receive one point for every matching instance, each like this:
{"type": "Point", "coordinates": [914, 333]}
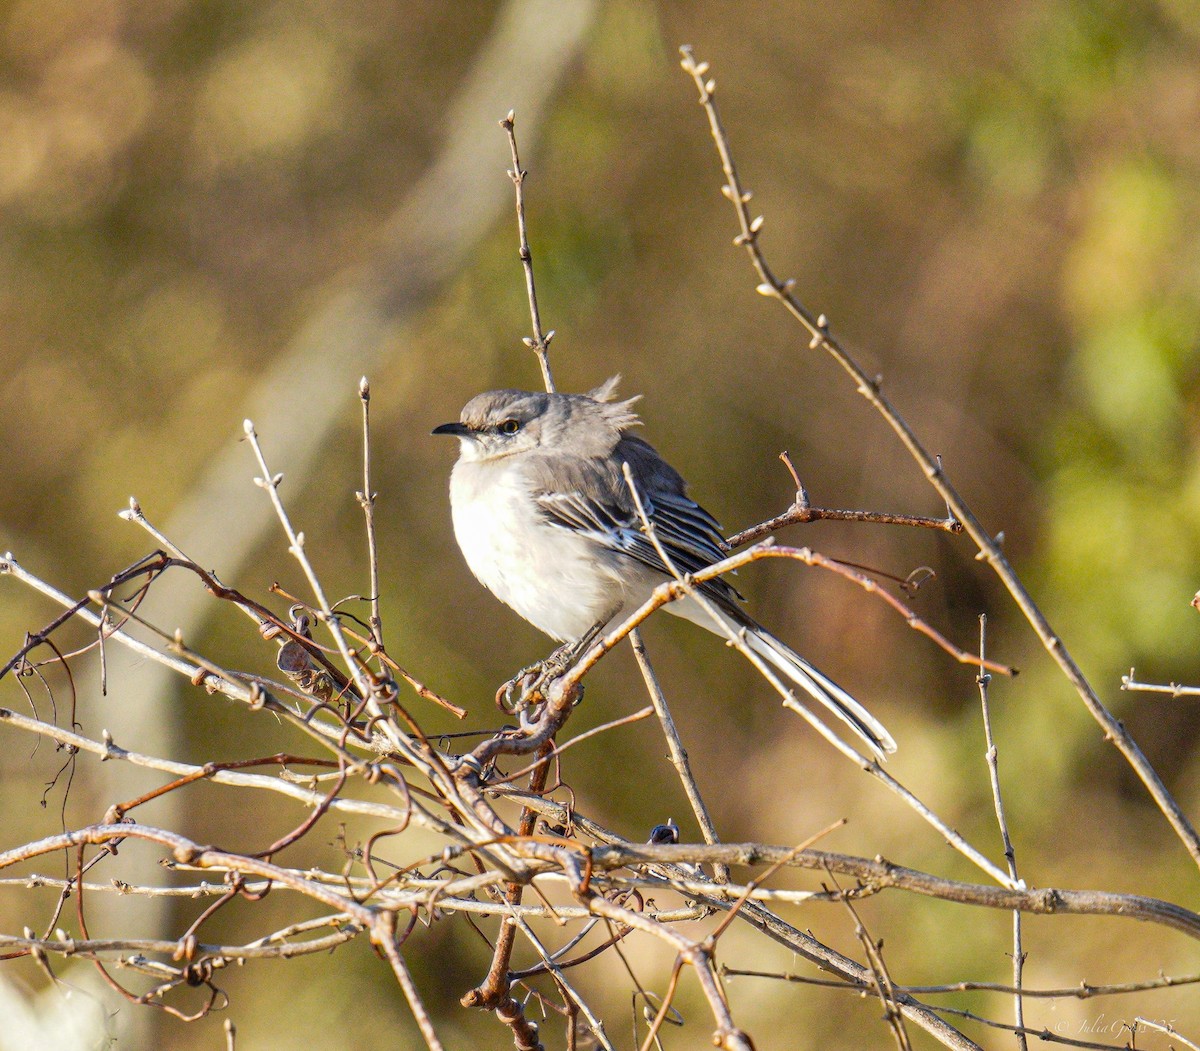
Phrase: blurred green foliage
{"type": "Point", "coordinates": [996, 204]}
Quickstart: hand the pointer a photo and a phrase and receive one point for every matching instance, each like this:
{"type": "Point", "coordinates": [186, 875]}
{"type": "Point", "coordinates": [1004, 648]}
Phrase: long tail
{"type": "Point", "coordinates": [822, 688]}
{"type": "Point", "coordinates": [794, 668]}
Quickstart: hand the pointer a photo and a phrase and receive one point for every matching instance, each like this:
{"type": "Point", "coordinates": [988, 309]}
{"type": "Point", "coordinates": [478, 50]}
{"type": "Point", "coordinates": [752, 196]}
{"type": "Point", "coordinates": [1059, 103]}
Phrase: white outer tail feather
{"type": "Point", "coordinates": [795, 669]}
{"type": "Point", "coordinates": [822, 688]}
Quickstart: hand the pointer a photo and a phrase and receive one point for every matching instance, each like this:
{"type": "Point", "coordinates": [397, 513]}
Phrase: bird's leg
{"type": "Point", "coordinates": [514, 694]}
{"type": "Point", "coordinates": [566, 655]}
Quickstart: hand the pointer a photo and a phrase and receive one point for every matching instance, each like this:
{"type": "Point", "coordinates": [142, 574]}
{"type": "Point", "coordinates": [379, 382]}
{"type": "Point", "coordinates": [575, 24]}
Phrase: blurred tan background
{"type": "Point", "coordinates": [996, 205]}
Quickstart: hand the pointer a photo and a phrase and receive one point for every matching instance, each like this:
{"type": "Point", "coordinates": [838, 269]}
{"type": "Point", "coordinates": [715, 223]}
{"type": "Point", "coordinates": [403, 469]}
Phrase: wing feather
{"type": "Point", "coordinates": [590, 495]}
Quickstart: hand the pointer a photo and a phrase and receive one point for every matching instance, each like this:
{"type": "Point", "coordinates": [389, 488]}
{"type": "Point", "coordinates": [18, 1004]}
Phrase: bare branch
{"type": "Point", "coordinates": [989, 549]}
{"type": "Point", "coordinates": [366, 498]}
{"type": "Point", "coordinates": [993, 763]}
{"type": "Point", "coordinates": [679, 756]}
{"type": "Point", "coordinates": [539, 343]}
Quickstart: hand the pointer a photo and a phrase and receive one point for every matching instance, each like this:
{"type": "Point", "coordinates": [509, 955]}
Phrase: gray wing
{"type": "Point", "coordinates": [590, 495]}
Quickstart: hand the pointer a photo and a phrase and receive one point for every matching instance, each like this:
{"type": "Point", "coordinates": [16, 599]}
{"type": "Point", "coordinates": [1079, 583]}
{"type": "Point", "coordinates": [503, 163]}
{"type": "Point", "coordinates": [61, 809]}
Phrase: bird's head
{"type": "Point", "coordinates": [500, 423]}
{"type": "Point", "coordinates": [504, 422]}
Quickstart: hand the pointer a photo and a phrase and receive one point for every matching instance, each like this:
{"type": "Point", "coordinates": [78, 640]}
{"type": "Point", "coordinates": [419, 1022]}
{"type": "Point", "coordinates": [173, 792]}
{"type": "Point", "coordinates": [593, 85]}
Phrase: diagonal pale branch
{"type": "Point", "coordinates": [108, 750]}
{"type": "Point", "coordinates": [885, 988]}
{"type": "Point", "coordinates": [385, 937]}
{"type": "Point", "coordinates": [989, 548]}
{"type": "Point", "coordinates": [853, 973]}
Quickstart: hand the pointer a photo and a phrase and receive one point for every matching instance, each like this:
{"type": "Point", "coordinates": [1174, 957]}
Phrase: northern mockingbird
{"type": "Point", "coordinates": [547, 522]}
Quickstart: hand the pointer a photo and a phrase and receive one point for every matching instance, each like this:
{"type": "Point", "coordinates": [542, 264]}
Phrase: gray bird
{"type": "Point", "coordinates": [546, 521]}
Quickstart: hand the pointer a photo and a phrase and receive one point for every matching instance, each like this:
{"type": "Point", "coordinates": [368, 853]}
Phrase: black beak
{"type": "Point", "coordinates": [459, 430]}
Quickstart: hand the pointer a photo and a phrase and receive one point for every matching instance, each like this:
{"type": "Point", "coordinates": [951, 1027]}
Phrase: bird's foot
{"type": "Point", "coordinates": [529, 683]}
{"type": "Point", "coordinates": [513, 695]}
{"type": "Point", "coordinates": [519, 692]}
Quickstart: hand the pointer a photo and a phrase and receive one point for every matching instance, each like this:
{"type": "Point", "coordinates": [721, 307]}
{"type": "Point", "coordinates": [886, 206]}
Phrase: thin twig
{"type": "Point", "coordinates": [108, 750]}
{"type": "Point", "coordinates": [797, 514]}
{"type": "Point", "coordinates": [1010, 854]}
{"type": "Point", "coordinates": [1170, 1030]}
{"type": "Point", "coordinates": [884, 985]}
{"type": "Point", "coordinates": [698, 956]}
{"type": "Point", "coordinates": [384, 936]}
{"type": "Point", "coordinates": [494, 993]}
{"type": "Point", "coordinates": [1173, 689]}
{"type": "Point", "coordinates": [595, 1024]}
{"type": "Point", "coordinates": [814, 558]}
{"type": "Point", "coordinates": [770, 871]}
{"type": "Point", "coordinates": [539, 343]}
{"type": "Point", "coordinates": [366, 499]}
{"type": "Point", "coordinates": [1045, 1035]}
{"type": "Point", "coordinates": [395, 739]}
{"type": "Point", "coordinates": [1083, 991]}
{"type": "Point", "coordinates": [558, 749]}
{"type": "Point", "coordinates": [803, 511]}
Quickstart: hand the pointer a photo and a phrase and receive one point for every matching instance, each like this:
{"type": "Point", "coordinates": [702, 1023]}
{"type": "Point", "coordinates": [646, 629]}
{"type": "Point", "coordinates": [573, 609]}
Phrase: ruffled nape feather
{"type": "Point", "coordinates": [619, 413]}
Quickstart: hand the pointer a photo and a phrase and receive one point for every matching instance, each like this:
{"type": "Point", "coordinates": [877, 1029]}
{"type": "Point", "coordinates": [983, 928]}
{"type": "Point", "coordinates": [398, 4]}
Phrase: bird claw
{"type": "Point", "coordinates": [513, 695]}
{"type": "Point", "coordinates": [518, 693]}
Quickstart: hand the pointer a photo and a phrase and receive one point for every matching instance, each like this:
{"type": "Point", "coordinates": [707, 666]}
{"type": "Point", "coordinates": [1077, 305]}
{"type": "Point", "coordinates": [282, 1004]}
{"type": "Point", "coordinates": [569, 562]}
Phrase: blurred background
{"type": "Point", "coordinates": [211, 210]}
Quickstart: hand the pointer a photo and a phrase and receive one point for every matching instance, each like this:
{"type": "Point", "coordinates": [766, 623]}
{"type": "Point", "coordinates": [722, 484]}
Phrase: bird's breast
{"type": "Point", "coordinates": [492, 519]}
{"type": "Point", "coordinates": [555, 578]}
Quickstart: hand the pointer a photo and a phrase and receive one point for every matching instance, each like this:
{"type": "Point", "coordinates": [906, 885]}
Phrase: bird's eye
{"type": "Point", "coordinates": [510, 426]}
